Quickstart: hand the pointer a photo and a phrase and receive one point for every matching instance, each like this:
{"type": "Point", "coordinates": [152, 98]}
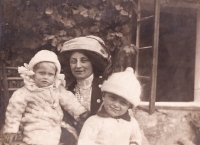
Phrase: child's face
{"type": "Point", "coordinates": [115, 105]}
{"type": "Point", "coordinates": [45, 74]}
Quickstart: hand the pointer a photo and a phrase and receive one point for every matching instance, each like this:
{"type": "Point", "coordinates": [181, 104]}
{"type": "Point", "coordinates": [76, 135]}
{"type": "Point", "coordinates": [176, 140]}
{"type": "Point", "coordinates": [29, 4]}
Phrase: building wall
{"type": "Point", "coordinates": [168, 127]}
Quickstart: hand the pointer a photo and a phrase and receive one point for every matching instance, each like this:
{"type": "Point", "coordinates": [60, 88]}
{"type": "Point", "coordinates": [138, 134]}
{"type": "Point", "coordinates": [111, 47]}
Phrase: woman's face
{"type": "Point", "coordinates": [81, 66]}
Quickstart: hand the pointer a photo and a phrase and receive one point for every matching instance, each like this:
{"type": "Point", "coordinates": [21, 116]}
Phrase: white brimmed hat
{"type": "Point", "coordinates": [90, 43]}
{"type": "Point", "coordinates": [124, 84]}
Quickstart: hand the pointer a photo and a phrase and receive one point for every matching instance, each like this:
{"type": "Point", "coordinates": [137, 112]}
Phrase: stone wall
{"type": "Point", "coordinates": [168, 127]}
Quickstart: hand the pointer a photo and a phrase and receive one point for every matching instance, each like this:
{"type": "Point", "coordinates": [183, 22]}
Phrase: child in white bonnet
{"type": "Point", "coordinates": [45, 87]}
{"type": "Point", "coordinates": [113, 125]}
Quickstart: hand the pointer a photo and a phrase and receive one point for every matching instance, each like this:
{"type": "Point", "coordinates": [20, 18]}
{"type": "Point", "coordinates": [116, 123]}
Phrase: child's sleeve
{"type": "Point", "coordinates": [70, 103]}
{"type": "Point", "coordinates": [136, 137]}
{"type": "Point", "coordinates": [89, 131]}
{"type": "Point", "coordinates": [15, 109]}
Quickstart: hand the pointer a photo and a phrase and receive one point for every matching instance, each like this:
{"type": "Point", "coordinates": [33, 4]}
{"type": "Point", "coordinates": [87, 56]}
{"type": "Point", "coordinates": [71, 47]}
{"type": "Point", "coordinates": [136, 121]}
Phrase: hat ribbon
{"type": "Point", "coordinates": [25, 70]}
{"type": "Point", "coordinates": [60, 79]}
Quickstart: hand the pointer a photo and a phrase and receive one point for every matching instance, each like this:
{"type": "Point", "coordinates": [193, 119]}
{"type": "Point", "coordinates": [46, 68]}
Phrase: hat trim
{"type": "Point", "coordinates": [71, 50]}
{"type": "Point", "coordinates": [74, 48]}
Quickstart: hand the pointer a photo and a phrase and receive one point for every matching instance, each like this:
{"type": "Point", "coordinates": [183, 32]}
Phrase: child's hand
{"type": "Point", "coordinates": [82, 119]}
{"type": "Point", "coordinates": [71, 129]}
{"type": "Point", "coordinates": [84, 115]}
{"type": "Point", "coordinates": [10, 137]}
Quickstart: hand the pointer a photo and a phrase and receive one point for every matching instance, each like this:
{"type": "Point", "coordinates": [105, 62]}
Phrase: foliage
{"type": "Point", "coordinates": [31, 25]}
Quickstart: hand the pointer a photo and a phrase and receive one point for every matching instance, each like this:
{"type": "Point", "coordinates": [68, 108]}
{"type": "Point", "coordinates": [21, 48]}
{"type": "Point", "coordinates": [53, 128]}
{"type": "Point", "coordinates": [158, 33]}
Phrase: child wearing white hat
{"type": "Point", "coordinates": [113, 125]}
{"type": "Point", "coordinates": [38, 103]}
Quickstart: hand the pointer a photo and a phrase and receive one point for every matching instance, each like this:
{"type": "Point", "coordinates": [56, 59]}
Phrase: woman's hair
{"type": "Point", "coordinates": [98, 63]}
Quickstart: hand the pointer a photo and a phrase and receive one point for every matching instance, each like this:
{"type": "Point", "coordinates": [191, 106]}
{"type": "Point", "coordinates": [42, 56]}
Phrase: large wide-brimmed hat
{"type": "Point", "coordinates": [91, 44]}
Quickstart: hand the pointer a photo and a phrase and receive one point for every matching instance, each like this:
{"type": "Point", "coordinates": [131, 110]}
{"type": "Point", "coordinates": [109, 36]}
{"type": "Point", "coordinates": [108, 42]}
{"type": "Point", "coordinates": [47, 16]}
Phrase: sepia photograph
{"type": "Point", "coordinates": [99, 72]}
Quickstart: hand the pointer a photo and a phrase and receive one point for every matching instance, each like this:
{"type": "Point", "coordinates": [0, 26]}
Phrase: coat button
{"type": "Point", "coordinates": [100, 77]}
{"type": "Point", "coordinates": [55, 105]}
{"type": "Point", "coordinates": [63, 124]}
{"type": "Point", "coordinates": [75, 123]}
{"type": "Point", "coordinates": [98, 100]}
{"type": "Point", "coordinates": [100, 85]}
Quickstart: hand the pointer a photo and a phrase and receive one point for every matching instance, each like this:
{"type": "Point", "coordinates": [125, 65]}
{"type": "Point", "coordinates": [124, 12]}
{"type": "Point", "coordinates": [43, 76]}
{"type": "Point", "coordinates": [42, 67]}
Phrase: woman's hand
{"type": "Point", "coordinates": [10, 137]}
{"type": "Point", "coordinates": [71, 129]}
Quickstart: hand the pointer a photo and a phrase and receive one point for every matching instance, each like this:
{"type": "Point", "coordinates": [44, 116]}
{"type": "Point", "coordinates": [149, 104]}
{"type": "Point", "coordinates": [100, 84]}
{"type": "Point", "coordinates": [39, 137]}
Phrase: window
{"type": "Point", "coordinates": [176, 55]}
{"type": "Point", "coordinates": [177, 75]}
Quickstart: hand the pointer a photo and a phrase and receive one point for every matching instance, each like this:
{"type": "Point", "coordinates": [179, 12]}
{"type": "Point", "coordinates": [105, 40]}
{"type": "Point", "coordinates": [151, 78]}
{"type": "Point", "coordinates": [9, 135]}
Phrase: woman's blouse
{"type": "Point", "coordinates": [83, 90]}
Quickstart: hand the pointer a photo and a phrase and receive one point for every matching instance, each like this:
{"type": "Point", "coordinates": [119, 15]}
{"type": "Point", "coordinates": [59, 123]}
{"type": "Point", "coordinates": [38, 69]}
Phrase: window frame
{"type": "Point", "coordinates": [152, 105]}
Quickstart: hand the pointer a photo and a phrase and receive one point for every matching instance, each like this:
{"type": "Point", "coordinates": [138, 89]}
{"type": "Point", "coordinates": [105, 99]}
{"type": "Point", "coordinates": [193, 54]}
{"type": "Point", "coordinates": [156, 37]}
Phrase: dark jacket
{"type": "Point", "coordinates": [96, 101]}
{"type": "Point", "coordinates": [96, 96]}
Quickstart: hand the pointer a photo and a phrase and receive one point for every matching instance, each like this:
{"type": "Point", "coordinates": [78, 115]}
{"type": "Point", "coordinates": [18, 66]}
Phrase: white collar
{"type": "Point", "coordinates": [86, 83]}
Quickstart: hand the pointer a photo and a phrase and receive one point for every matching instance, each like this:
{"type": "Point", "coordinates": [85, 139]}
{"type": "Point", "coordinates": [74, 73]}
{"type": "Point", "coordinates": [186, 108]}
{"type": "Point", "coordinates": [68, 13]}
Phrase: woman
{"type": "Point", "coordinates": [84, 59]}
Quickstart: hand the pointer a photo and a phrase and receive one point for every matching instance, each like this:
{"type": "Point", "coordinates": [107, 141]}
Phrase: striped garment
{"type": "Point", "coordinates": [44, 126]}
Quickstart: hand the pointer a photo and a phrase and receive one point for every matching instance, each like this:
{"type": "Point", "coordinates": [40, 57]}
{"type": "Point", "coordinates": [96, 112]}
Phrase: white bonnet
{"type": "Point", "coordinates": [45, 55]}
{"type": "Point", "coordinates": [124, 84]}
{"type": "Point", "coordinates": [26, 71]}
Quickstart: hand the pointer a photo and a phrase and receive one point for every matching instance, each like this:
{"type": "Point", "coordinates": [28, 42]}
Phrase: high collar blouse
{"type": "Point", "coordinates": [83, 90]}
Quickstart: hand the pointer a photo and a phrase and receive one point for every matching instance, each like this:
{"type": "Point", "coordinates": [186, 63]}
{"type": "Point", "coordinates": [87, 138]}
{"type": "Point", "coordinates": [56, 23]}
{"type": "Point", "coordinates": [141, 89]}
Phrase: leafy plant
{"type": "Point", "coordinates": [32, 25]}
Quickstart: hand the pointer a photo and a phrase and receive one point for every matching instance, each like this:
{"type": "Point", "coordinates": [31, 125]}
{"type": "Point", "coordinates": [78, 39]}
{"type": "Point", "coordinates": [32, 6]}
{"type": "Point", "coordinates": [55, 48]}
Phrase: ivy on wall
{"type": "Point", "coordinates": [31, 25]}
